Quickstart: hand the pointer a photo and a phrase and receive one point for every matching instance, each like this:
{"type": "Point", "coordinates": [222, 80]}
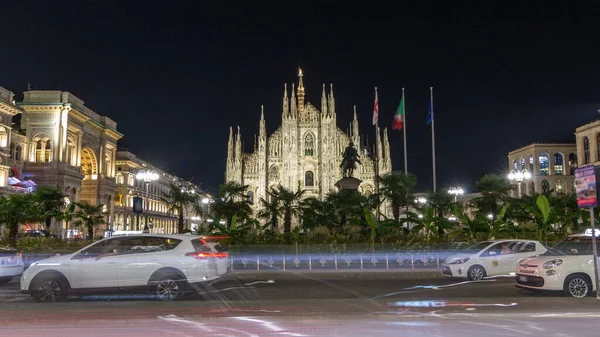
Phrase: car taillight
{"type": "Point", "coordinates": [204, 255]}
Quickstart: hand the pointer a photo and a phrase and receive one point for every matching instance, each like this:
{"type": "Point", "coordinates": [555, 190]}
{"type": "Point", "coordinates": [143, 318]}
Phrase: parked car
{"type": "Point", "coordinates": [167, 265]}
{"type": "Point", "coordinates": [490, 258]}
{"type": "Point", "coordinates": [567, 267]}
{"type": "Point", "coordinates": [11, 264]}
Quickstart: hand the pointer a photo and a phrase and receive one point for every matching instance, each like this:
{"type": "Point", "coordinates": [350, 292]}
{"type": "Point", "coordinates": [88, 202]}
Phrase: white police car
{"type": "Point", "coordinates": [566, 267]}
{"type": "Point", "coordinates": [490, 258]}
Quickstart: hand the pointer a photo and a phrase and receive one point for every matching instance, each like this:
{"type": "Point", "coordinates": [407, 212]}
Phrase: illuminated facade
{"type": "Point", "coordinates": [304, 152]}
{"type": "Point", "coordinates": [551, 165]}
{"type": "Point", "coordinates": [159, 219]}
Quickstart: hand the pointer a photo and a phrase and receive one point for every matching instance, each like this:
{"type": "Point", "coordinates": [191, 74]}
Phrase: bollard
{"type": "Point", "coordinates": [361, 261]}
{"type": "Point", "coordinates": [335, 261]}
{"type": "Point", "coordinates": [412, 262]}
{"type": "Point", "coordinates": [309, 263]}
{"type": "Point", "coordinates": [257, 263]}
{"type": "Point", "coordinates": [284, 262]}
{"type": "Point", "coordinates": [387, 262]}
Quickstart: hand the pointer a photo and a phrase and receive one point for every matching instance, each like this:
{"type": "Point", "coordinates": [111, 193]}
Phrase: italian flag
{"type": "Point", "coordinates": [399, 117]}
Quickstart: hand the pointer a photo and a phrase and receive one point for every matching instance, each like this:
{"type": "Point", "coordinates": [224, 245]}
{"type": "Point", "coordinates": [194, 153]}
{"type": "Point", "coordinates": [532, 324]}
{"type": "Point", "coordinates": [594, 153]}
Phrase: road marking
{"type": "Point", "coordinates": [173, 318]}
{"type": "Point", "coordinates": [432, 287]}
{"type": "Point", "coordinates": [260, 282]}
{"type": "Point", "coordinates": [504, 327]}
{"type": "Point", "coordinates": [224, 289]}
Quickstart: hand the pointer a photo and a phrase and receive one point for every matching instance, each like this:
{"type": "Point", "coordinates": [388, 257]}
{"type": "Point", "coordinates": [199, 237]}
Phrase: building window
{"type": "Point", "coordinates": [558, 164]}
{"type": "Point", "coordinates": [39, 154]}
{"type": "Point", "coordinates": [544, 164]}
{"type": "Point", "coordinates": [48, 151]}
{"type": "Point", "coordinates": [531, 162]}
{"type": "Point", "coordinates": [523, 165]}
{"type": "Point", "coordinates": [309, 179]}
{"type": "Point", "coordinates": [3, 137]}
{"type": "Point", "coordinates": [19, 153]}
{"type": "Point", "coordinates": [515, 165]}
{"type": "Point", "coordinates": [560, 186]}
{"type": "Point", "coordinates": [274, 173]}
{"type": "Point", "coordinates": [531, 188]}
{"type": "Point", "coordinates": [545, 187]}
{"type": "Point", "coordinates": [120, 179]}
{"type": "Point", "coordinates": [586, 150]}
{"type": "Point", "coordinates": [309, 145]}
{"type": "Point", "coordinates": [572, 163]}
{"type": "Point", "coordinates": [70, 151]}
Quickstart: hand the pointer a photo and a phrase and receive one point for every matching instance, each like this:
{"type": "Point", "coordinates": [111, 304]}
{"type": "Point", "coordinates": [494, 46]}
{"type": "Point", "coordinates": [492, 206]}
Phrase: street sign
{"type": "Point", "coordinates": [585, 185]}
{"type": "Point", "coordinates": [137, 205]}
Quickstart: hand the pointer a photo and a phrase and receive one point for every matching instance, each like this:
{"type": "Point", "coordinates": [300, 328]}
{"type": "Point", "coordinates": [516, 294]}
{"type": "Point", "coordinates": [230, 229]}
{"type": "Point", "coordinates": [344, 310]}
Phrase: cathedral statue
{"type": "Point", "coordinates": [349, 160]}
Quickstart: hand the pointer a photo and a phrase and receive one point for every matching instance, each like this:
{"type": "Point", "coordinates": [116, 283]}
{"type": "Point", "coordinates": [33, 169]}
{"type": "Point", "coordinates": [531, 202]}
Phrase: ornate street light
{"type": "Point", "coordinates": [519, 176]}
{"type": "Point", "coordinates": [456, 191]}
{"type": "Point", "coordinates": [147, 176]}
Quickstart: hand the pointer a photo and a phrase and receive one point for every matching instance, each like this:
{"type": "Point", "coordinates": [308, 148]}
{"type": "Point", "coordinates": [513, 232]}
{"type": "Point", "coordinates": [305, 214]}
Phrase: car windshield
{"type": "Point", "coordinates": [477, 247]}
{"type": "Point", "coordinates": [572, 246]}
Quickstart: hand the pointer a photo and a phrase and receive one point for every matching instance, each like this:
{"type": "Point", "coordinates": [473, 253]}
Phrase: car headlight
{"type": "Point", "coordinates": [460, 261]}
{"type": "Point", "coordinates": [552, 264]}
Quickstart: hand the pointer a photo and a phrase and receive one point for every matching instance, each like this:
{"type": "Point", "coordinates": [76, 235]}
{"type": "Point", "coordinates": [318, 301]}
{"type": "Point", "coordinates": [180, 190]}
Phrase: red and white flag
{"type": "Point", "coordinates": [376, 109]}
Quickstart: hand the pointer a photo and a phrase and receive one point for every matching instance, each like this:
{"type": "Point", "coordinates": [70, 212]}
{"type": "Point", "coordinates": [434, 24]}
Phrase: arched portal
{"type": "Point", "coordinates": [89, 163]}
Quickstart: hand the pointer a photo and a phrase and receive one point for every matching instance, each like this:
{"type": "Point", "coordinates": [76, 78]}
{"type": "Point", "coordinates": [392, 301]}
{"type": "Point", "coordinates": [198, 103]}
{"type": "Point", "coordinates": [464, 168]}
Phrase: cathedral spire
{"type": "Point", "coordinates": [286, 102]}
{"type": "Point", "coordinates": [300, 90]}
{"type": "Point", "coordinates": [262, 130]}
{"type": "Point", "coordinates": [230, 145]}
{"type": "Point", "coordinates": [386, 151]}
{"type": "Point", "coordinates": [355, 131]}
{"type": "Point", "coordinates": [331, 101]}
{"type": "Point", "coordinates": [293, 111]}
{"type": "Point", "coordinates": [238, 145]}
{"type": "Point", "coordinates": [324, 102]}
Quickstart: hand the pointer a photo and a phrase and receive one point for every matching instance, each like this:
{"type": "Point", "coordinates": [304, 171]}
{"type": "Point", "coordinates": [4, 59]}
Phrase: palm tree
{"type": "Point", "coordinates": [289, 204]}
{"type": "Point", "coordinates": [178, 201]}
{"type": "Point", "coordinates": [89, 216]}
{"type": "Point", "coordinates": [67, 215]}
{"type": "Point", "coordinates": [441, 202]}
{"type": "Point", "coordinates": [15, 210]}
{"type": "Point", "coordinates": [397, 188]}
{"type": "Point", "coordinates": [346, 205]}
{"type": "Point", "coordinates": [316, 212]}
{"type": "Point", "coordinates": [270, 209]}
{"type": "Point", "coordinates": [494, 190]}
{"type": "Point", "coordinates": [50, 202]}
{"type": "Point", "coordinates": [232, 201]}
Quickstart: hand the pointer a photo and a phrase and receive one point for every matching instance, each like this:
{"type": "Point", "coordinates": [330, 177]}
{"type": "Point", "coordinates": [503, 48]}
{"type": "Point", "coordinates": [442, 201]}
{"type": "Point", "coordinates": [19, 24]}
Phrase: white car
{"type": "Point", "coordinates": [566, 267]}
{"type": "Point", "coordinates": [11, 264]}
{"type": "Point", "coordinates": [168, 265]}
{"type": "Point", "coordinates": [490, 258]}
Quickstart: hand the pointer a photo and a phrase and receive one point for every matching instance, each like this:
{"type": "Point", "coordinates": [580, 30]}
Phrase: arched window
{"type": "Point", "coordinates": [531, 188]}
{"type": "Point", "coordinates": [12, 150]}
{"type": "Point", "coordinates": [523, 165]}
{"type": "Point", "coordinates": [89, 164]}
{"type": "Point", "coordinates": [251, 197]}
{"type": "Point", "coordinates": [545, 187]}
{"type": "Point", "coordinates": [309, 145]}
{"type": "Point", "coordinates": [561, 187]}
{"type": "Point", "coordinates": [558, 164]}
{"type": "Point", "coordinates": [309, 179]}
{"type": "Point", "coordinates": [3, 137]}
{"type": "Point", "coordinates": [531, 162]}
{"type": "Point", "coordinates": [39, 154]}
{"type": "Point", "coordinates": [48, 151]}
{"type": "Point", "coordinates": [70, 151]}
{"type": "Point", "coordinates": [120, 179]}
{"type": "Point", "coordinates": [572, 163]}
{"type": "Point", "coordinates": [586, 150]}
{"type": "Point", "coordinates": [274, 173]}
{"type": "Point", "coordinates": [19, 153]}
{"type": "Point", "coordinates": [544, 164]}
{"type": "Point", "coordinates": [598, 145]}
{"type": "Point", "coordinates": [515, 165]}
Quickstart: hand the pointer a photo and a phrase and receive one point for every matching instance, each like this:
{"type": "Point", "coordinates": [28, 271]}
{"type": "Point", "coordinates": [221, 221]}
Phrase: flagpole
{"type": "Point", "coordinates": [377, 152]}
{"type": "Point", "coordinates": [404, 129]}
{"type": "Point", "coordinates": [433, 139]}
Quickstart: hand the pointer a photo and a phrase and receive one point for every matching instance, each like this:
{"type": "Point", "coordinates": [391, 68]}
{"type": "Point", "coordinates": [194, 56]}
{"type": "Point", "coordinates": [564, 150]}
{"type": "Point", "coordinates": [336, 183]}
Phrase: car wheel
{"type": "Point", "coordinates": [50, 289]}
{"type": "Point", "coordinates": [169, 288]}
{"type": "Point", "coordinates": [5, 279]}
{"type": "Point", "coordinates": [476, 273]}
{"type": "Point", "coordinates": [577, 286]}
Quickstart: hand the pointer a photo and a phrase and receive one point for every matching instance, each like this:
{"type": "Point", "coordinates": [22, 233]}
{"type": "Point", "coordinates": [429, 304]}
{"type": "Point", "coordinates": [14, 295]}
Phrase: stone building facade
{"type": "Point", "coordinates": [588, 143]}
{"type": "Point", "coordinates": [9, 140]}
{"type": "Point", "coordinates": [160, 220]}
{"type": "Point", "coordinates": [304, 152]}
{"type": "Point", "coordinates": [551, 165]}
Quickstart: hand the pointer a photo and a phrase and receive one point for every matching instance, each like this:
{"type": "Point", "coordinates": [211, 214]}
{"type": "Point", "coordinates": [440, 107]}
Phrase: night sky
{"type": "Point", "coordinates": [175, 75]}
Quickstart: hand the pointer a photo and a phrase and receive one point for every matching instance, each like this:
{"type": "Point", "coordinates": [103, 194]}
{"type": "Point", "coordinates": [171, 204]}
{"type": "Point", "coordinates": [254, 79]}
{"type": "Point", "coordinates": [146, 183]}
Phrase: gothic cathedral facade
{"type": "Point", "coordinates": [305, 151]}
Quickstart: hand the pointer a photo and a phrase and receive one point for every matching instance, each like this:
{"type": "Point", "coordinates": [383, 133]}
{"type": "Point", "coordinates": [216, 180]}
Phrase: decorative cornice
{"type": "Point", "coordinates": [533, 145]}
{"type": "Point", "coordinates": [10, 108]}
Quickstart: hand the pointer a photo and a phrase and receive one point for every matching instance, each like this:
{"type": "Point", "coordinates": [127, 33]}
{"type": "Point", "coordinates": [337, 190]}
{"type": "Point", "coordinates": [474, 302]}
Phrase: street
{"type": "Point", "coordinates": [286, 304]}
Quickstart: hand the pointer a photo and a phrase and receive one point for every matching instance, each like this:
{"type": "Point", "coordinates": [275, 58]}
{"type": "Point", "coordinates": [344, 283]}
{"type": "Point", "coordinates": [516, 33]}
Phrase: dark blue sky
{"type": "Point", "coordinates": [175, 75]}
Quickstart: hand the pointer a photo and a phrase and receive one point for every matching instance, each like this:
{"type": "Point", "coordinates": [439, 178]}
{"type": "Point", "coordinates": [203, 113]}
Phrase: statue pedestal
{"type": "Point", "coordinates": [348, 184]}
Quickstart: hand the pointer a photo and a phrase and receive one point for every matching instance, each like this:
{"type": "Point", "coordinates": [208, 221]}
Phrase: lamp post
{"type": "Point", "coordinates": [456, 191]}
{"type": "Point", "coordinates": [147, 177]}
{"type": "Point", "coordinates": [206, 202]}
{"type": "Point", "coordinates": [519, 176]}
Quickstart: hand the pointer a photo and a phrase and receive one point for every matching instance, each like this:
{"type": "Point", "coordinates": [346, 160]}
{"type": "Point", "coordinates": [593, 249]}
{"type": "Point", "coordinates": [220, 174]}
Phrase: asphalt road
{"type": "Point", "coordinates": [278, 304]}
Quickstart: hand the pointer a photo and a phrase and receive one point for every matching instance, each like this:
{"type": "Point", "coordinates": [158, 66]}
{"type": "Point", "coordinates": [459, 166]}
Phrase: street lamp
{"type": "Point", "coordinates": [519, 176]}
{"type": "Point", "coordinates": [147, 177]}
{"type": "Point", "coordinates": [456, 191]}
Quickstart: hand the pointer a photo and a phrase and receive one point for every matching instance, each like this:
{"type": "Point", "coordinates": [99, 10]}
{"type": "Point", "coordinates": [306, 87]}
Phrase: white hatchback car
{"type": "Point", "coordinates": [566, 267]}
{"type": "Point", "coordinates": [11, 264]}
{"type": "Point", "coordinates": [164, 264]}
{"type": "Point", "coordinates": [490, 258]}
